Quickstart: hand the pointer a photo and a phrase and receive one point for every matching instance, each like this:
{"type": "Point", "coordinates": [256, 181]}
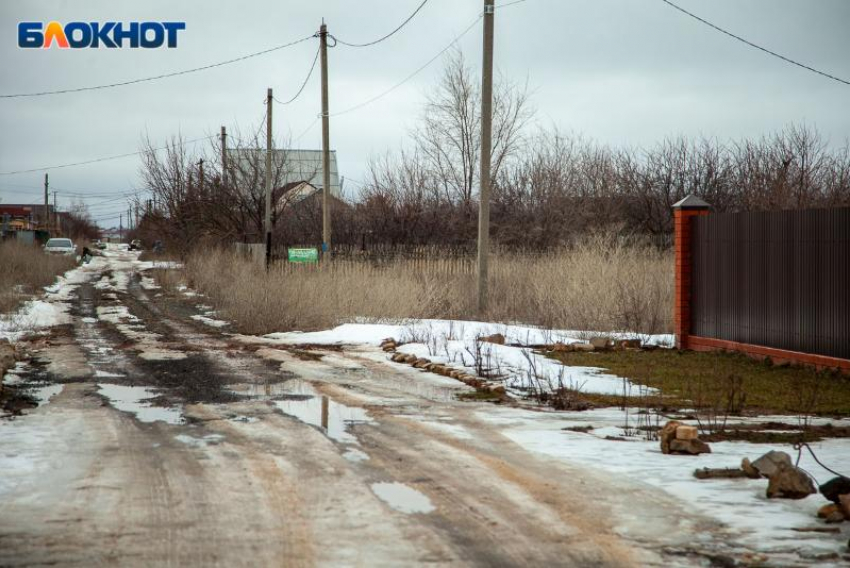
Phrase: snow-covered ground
{"type": "Point", "coordinates": [758, 523]}
{"type": "Point", "coordinates": [455, 343]}
{"type": "Point", "coordinates": [52, 309]}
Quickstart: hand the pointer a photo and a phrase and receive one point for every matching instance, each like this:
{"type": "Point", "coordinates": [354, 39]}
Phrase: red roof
{"type": "Point", "coordinates": [16, 210]}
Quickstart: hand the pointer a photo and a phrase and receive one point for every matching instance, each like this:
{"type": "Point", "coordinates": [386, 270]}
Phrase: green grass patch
{"type": "Point", "coordinates": [485, 395]}
{"type": "Point", "coordinates": [721, 380]}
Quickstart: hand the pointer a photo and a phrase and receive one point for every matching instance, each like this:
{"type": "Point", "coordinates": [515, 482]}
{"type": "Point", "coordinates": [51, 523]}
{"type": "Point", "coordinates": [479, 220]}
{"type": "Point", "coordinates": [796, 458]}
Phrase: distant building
{"type": "Point", "coordinates": [296, 170]}
{"type": "Point", "coordinates": [21, 217]}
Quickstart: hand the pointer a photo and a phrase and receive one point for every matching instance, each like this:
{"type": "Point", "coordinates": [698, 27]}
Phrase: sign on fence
{"type": "Point", "coordinates": [303, 255]}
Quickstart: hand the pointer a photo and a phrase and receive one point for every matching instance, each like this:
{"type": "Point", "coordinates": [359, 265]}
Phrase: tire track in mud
{"type": "Point", "coordinates": [305, 502]}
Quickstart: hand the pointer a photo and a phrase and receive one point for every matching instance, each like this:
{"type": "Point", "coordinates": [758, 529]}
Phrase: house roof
{"type": "Point", "coordinates": [16, 210]}
{"type": "Point", "coordinates": [297, 165]}
{"type": "Point", "coordinates": [691, 202]}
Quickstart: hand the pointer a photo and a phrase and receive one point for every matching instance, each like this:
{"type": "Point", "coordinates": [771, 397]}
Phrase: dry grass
{"type": "Point", "coordinates": [24, 270]}
{"type": "Point", "coordinates": [600, 285]}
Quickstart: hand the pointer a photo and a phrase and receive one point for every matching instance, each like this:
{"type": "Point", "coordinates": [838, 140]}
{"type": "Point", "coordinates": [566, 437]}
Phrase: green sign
{"type": "Point", "coordinates": [304, 255]}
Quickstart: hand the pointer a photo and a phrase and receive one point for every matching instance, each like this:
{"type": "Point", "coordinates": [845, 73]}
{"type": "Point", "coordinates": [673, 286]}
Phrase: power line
{"type": "Point", "coordinates": [104, 159]}
{"type": "Point", "coordinates": [389, 35]}
{"type": "Point", "coordinates": [304, 84]}
{"type": "Point", "coordinates": [412, 75]}
{"type": "Point", "coordinates": [751, 44]}
{"type": "Point", "coordinates": [308, 129]}
{"type": "Point", "coordinates": [506, 4]}
{"type": "Point", "coordinates": [157, 77]}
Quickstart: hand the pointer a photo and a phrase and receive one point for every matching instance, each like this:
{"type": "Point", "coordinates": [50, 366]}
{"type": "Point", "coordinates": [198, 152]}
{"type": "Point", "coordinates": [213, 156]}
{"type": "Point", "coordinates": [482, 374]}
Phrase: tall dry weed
{"type": "Point", "coordinates": [600, 284]}
{"type": "Point", "coordinates": [24, 270]}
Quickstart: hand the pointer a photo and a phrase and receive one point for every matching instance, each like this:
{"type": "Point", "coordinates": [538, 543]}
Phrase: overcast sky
{"type": "Point", "coordinates": [618, 71]}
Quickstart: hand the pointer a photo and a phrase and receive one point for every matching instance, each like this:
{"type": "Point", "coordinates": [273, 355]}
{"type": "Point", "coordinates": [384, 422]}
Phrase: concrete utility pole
{"type": "Point", "coordinates": [326, 145]}
{"type": "Point", "coordinates": [223, 156]}
{"type": "Point", "coordinates": [45, 220]}
{"type": "Point", "coordinates": [55, 214]}
{"type": "Point", "coordinates": [201, 177]}
{"type": "Point", "coordinates": [120, 226]}
{"type": "Point", "coordinates": [268, 220]}
{"type": "Point", "coordinates": [486, 134]}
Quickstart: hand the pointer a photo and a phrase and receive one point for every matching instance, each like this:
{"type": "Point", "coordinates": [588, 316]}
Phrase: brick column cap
{"type": "Point", "coordinates": [691, 202]}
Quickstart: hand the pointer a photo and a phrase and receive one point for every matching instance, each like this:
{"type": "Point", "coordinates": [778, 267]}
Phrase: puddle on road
{"type": "Point", "coordinates": [208, 440]}
{"type": "Point", "coordinates": [403, 498]}
{"type": "Point", "coordinates": [43, 394]}
{"type": "Point", "coordinates": [262, 391]}
{"type": "Point", "coordinates": [162, 355]}
{"type": "Point", "coordinates": [355, 455]}
{"type": "Point", "coordinates": [300, 400]}
{"type": "Point", "coordinates": [332, 417]}
{"type": "Point", "coordinates": [136, 400]}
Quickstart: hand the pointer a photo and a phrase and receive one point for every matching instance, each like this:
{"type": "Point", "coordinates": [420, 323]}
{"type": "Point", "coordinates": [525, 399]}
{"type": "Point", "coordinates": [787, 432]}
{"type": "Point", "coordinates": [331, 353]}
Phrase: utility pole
{"type": "Point", "coordinates": [326, 145]}
{"type": "Point", "coordinates": [486, 134]}
{"type": "Point", "coordinates": [120, 226]}
{"type": "Point", "coordinates": [46, 217]}
{"type": "Point", "coordinates": [223, 156]}
{"type": "Point", "coordinates": [268, 220]}
{"type": "Point", "coordinates": [201, 178]}
{"type": "Point", "coordinates": [55, 214]}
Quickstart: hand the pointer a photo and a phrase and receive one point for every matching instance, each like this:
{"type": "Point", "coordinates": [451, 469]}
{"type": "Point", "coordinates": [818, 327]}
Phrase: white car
{"type": "Point", "coordinates": [60, 246]}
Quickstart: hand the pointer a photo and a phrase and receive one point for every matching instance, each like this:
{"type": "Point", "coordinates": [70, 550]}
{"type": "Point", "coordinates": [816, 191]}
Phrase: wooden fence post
{"type": "Point", "coordinates": [683, 212]}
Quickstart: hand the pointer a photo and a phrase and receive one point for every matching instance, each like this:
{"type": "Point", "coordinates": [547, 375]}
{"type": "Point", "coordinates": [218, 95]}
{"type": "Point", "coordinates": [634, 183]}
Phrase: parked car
{"type": "Point", "coordinates": [100, 245]}
{"type": "Point", "coordinates": [135, 244]}
{"type": "Point", "coordinates": [60, 246]}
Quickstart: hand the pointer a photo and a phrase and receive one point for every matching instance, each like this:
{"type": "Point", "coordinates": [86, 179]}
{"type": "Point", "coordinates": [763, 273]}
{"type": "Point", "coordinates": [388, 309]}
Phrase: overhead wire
{"type": "Point", "coordinates": [754, 45]}
{"type": "Point", "coordinates": [412, 75]}
{"type": "Point", "coordinates": [157, 77]}
{"type": "Point", "coordinates": [304, 84]}
{"type": "Point", "coordinates": [103, 159]}
{"type": "Point", "coordinates": [389, 35]}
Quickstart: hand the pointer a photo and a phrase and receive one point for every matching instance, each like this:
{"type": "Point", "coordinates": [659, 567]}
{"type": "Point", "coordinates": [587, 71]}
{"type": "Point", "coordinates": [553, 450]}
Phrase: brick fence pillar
{"type": "Point", "coordinates": [683, 212]}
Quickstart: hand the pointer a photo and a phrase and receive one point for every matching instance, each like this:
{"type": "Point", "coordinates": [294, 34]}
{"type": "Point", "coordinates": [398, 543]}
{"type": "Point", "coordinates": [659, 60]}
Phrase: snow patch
{"type": "Point", "coordinates": [136, 400]}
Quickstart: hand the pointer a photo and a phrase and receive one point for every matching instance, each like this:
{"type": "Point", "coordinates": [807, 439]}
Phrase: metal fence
{"type": "Point", "coordinates": [777, 279]}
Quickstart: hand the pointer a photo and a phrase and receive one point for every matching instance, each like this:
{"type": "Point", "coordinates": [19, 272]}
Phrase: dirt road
{"type": "Point", "coordinates": [173, 442]}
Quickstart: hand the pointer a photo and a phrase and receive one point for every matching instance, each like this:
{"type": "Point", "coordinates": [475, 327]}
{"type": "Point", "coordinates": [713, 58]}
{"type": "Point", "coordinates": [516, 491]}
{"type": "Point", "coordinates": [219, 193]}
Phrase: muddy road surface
{"type": "Point", "coordinates": [162, 438]}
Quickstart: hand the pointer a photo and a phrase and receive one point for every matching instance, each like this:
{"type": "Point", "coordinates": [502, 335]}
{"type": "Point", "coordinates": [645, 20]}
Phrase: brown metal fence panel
{"type": "Point", "coordinates": [777, 279]}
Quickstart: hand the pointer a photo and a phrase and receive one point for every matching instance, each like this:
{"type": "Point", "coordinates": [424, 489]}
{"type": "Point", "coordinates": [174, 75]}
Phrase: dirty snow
{"type": "Point", "coordinates": [453, 343]}
{"type": "Point", "coordinates": [761, 524]}
{"type": "Point", "coordinates": [206, 320]}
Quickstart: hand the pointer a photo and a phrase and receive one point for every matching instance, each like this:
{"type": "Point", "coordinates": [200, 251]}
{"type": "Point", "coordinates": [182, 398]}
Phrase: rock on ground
{"type": "Point", "coordinates": [789, 482]}
{"type": "Point", "coordinates": [834, 488]}
{"type": "Point", "coordinates": [768, 464]}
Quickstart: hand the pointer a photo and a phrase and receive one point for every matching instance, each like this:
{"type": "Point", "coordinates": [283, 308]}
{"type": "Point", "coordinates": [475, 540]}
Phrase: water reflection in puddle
{"type": "Point", "coordinates": [403, 498]}
{"type": "Point", "coordinates": [263, 391]}
{"type": "Point", "coordinates": [332, 417]}
{"type": "Point", "coordinates": [300, 400]}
